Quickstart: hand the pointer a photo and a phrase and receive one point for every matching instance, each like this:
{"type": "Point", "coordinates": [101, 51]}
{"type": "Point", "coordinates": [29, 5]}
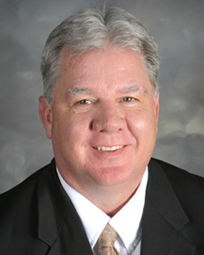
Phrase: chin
{"type": "Point", "coordinates": [109, 176]}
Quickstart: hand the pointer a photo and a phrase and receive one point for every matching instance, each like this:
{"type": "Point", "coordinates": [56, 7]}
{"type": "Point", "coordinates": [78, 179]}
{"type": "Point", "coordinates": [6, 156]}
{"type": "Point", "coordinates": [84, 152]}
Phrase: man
{"type": "Point", "coordinates": [100, 108]}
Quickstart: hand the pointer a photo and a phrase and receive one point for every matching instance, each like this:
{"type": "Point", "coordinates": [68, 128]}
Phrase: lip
{"type": "Point", "coordinates": [109, 148]}
{"type": "Point", "coordinates": [109, 153]}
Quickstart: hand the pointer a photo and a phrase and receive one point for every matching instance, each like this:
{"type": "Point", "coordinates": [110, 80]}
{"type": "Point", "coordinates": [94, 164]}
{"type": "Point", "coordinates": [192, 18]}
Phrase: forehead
{"type": "Point", "coordinates": [105, 69]}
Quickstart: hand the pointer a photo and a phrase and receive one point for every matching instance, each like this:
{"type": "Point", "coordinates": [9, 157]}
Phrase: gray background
{"type": "Point", "coordinates": [178, 28]}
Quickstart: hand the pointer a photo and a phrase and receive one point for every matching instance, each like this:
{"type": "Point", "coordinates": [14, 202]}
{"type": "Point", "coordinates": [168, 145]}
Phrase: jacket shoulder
{"type": "Point", "coordinates": [19, 217]}
{"type": "Point", "coordinates": [21, 196]}
{"type": "Point", "coordinates": [188, 187]}
{"type": "Point", "coordinates": [24, 187]}
{"type": "Point", "coordinates": [180, 176]}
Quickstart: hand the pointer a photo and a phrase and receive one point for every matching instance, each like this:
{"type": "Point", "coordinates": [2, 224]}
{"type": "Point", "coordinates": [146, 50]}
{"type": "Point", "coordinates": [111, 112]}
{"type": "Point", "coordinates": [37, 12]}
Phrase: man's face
{"type": "Point", "coordinates": [103, 120]}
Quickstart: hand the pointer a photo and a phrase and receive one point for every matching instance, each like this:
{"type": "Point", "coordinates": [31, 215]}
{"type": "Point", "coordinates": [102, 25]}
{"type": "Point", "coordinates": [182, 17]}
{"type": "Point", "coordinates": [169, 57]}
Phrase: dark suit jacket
{"type": "Point", "coordinates": [38, 218]}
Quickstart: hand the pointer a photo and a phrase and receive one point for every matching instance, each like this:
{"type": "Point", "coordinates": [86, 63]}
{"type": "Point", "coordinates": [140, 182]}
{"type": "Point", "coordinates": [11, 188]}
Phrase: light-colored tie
{"type": "Point", "coordinates": [106, 241]}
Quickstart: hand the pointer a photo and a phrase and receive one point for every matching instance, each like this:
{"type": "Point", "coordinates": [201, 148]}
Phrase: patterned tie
{"type": "Point", "coordinates": [106, 241]}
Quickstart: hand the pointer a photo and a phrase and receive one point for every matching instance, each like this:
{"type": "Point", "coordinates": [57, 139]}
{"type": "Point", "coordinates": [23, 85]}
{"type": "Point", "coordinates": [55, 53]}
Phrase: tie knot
{"type": "Point", "coordinates": [106, 241]}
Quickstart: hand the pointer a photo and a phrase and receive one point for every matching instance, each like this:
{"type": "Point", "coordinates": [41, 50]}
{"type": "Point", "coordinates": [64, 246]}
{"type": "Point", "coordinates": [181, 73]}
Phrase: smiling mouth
{"type": "Point", "coordinates": [106, 148]}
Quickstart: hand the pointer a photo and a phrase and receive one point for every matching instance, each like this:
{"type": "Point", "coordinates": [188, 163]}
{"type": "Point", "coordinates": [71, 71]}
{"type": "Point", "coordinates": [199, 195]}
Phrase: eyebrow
{"type": "Point", "coordinates": [85, 91]}
{"type": "Point", "coordinates": [134, 88]}
{"type": "Point", "coordinates": [77, 91]}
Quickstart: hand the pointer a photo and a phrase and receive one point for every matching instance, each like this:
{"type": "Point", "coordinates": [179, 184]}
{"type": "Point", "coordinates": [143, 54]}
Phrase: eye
{"type": "Point", "coordinates": [84, 102]}
{"type": "Point", "coordinates": [128, 99]}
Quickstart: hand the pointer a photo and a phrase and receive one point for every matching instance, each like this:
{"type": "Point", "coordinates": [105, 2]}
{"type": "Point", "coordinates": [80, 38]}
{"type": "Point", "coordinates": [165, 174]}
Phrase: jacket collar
{"type": "Point", "coordinates": [163, 217]}
{"type": "Point", "coordinates": [59, 225]}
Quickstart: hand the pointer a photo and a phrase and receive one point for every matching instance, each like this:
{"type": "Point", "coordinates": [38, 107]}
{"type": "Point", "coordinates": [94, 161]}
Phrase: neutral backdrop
{"type": "Point", "coordinates": [178, 28]}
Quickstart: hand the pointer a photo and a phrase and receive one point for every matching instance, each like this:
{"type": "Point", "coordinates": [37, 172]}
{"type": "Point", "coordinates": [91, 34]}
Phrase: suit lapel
{"type": "Point", "coordinates": [164, 218]}
{"type": "Point", "coordinates": [59, 224]}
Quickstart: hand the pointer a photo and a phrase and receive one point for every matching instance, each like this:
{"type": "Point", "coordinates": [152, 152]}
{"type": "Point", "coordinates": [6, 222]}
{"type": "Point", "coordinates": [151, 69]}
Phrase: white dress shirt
{"type": "Point", "coordinates": [126, 222]}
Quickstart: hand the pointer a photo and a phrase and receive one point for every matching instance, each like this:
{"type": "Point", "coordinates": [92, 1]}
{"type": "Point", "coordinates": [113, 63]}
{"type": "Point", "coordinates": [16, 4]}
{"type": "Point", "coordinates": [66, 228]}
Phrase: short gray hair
{"type": "Point", "coordinates": [93, 29]}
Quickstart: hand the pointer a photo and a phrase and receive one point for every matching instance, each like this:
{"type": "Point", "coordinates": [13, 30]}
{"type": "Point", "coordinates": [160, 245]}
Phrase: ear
{"type": "Point", "coordinates": [156, 108]}
{"type": "Point", "coordinates": [45, 112]}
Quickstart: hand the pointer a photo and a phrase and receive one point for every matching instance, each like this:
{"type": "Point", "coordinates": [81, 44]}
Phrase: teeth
{"type": "Point", "coordinates": [104, 148]}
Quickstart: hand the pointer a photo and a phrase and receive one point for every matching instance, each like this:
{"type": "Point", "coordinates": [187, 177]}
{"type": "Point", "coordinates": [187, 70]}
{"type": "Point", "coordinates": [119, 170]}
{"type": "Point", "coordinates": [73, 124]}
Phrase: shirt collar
{"type": "Point", "coordinates": [126, 222]}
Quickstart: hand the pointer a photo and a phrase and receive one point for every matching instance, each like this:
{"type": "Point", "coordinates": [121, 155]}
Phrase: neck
{"type": "Point", "coordinates": [112, 208]}
{"type": "Point", "coordinates": [109, 199]}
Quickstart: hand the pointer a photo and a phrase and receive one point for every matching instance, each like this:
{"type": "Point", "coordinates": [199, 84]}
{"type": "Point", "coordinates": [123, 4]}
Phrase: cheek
{"type": "Point", "coordinates": [141, 123]}
{"type": "Point", "coordinates": [74, 128]}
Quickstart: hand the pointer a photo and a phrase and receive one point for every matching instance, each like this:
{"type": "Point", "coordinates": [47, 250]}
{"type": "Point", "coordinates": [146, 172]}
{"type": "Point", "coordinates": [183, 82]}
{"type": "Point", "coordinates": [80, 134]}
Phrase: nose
{"type": "Point", "coordinates": [108, 118]}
